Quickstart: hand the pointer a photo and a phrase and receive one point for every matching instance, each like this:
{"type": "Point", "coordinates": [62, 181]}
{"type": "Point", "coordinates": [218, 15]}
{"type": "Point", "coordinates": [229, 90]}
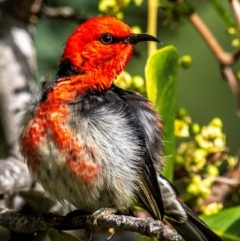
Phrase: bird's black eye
{"type": "Point", "coordinates": [106, 38]}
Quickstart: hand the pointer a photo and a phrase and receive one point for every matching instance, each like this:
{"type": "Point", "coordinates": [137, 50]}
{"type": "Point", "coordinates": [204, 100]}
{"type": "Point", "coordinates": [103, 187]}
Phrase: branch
{"type": "Point", "coordinates": [221, 55]}
{"type": "Point", "coordinates": [225, 59]}
{"type": "Point", "coordinates": [223, 186]}
{"type": "Point", "coordinates": [236, 9]}
{"type": "Point", "coordinates": [233, 83]}
{"type": "Point", "coordinates": [23, 223]}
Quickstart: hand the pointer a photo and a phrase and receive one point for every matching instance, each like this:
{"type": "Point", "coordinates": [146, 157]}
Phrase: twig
{"type": "Point", "coordinates": [224, 186]}
{"type": "Point", "coordinates": [225, 59]}
{"type": "Point", "coordinates": [236, 9]}
{"type": "Point", "coordinates": [226, 180]}
{"type": "Point", "coordinates": [22, 223]}
{"type": "Point", "coordinates": [236, 55]}
{"type": "Point", "coordinates": [232, 81]}
{"type": "Point", "coordinates": [222, 56]}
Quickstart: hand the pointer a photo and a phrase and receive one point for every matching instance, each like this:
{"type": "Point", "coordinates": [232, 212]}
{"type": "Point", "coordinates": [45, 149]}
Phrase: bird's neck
{"type": "Point", "coordinates": [97, 76]}
{"type": "Point", "coordinates": [73, 80]}
{"type": "Point", "coordinates": [73, 83]}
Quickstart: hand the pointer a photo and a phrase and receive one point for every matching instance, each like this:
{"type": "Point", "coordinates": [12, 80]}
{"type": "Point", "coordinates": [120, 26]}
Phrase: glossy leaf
{"type": "Point", "coordinates": [225, 223]}
{"type": "Point", "coordinates": [161, 83]}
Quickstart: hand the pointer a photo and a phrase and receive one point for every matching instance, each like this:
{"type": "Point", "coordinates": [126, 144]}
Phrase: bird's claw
{"type": "Point", "coordinates": [102, 212]}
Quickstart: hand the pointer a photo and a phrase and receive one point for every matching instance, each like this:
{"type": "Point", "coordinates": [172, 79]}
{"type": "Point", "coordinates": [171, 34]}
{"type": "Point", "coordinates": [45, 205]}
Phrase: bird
{"type": "Point", "coordinates": [96, 145]}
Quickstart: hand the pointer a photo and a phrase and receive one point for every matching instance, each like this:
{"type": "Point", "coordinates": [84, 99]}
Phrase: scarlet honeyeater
{"type": "Point", "coordinates": [96, 145]}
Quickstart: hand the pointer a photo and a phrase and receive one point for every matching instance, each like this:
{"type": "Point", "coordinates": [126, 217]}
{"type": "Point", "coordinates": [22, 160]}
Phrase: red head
{"type": "Point", "coordinates": [101, 46]}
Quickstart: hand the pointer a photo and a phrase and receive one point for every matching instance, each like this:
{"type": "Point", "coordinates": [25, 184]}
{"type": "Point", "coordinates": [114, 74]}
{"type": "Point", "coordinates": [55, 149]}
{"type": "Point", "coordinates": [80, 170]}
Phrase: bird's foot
{"type": "Point", "coordinates": [102, 212]}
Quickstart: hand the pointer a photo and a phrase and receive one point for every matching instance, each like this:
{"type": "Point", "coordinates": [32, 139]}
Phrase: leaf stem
{"type": "Point", "coordinates": [152, 24]}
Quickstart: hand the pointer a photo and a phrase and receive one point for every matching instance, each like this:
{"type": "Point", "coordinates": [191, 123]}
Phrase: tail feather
{"type": "Point", "coordinates": [181, 217]}
{"type": "Point", "coordinates": [189, 231]}
{"type": "Point", "coordinates": [193, 228]}
{"type": "Point", "coordinates": [192, 217]}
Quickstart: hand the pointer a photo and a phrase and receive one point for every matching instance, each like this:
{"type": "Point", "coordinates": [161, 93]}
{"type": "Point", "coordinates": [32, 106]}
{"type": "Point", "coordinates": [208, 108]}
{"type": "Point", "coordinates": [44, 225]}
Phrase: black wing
{"type": "Point", "coordinates": [147, 123]}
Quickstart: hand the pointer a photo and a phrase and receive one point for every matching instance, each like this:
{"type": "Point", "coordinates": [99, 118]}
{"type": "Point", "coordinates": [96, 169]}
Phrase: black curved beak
{"type": "Point", "coordinates": [135, 38]}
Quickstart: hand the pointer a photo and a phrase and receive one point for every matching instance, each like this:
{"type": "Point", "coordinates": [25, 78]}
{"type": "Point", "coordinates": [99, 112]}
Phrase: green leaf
{"type": "Point", "coordinates": [56, 235]}
{"type": "Point", "coordinates": [161, 83]}
{"type": "Point", "coordinates": [225, 223]}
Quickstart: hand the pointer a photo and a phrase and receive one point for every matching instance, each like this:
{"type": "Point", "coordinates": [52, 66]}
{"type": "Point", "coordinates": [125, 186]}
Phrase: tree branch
{"type": "Point", "coordinates": [221, 55]}
{"type": "Point", "coordinates": [23, 223]}
{"type": "Point", "coordinates": [224, 185]}
{"type": "Point", "coordinates": [233, 83]}
{"type": "Point", "coordinates": [236, 9]}
{"type": "Point", "coordinates": [225, 59]}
